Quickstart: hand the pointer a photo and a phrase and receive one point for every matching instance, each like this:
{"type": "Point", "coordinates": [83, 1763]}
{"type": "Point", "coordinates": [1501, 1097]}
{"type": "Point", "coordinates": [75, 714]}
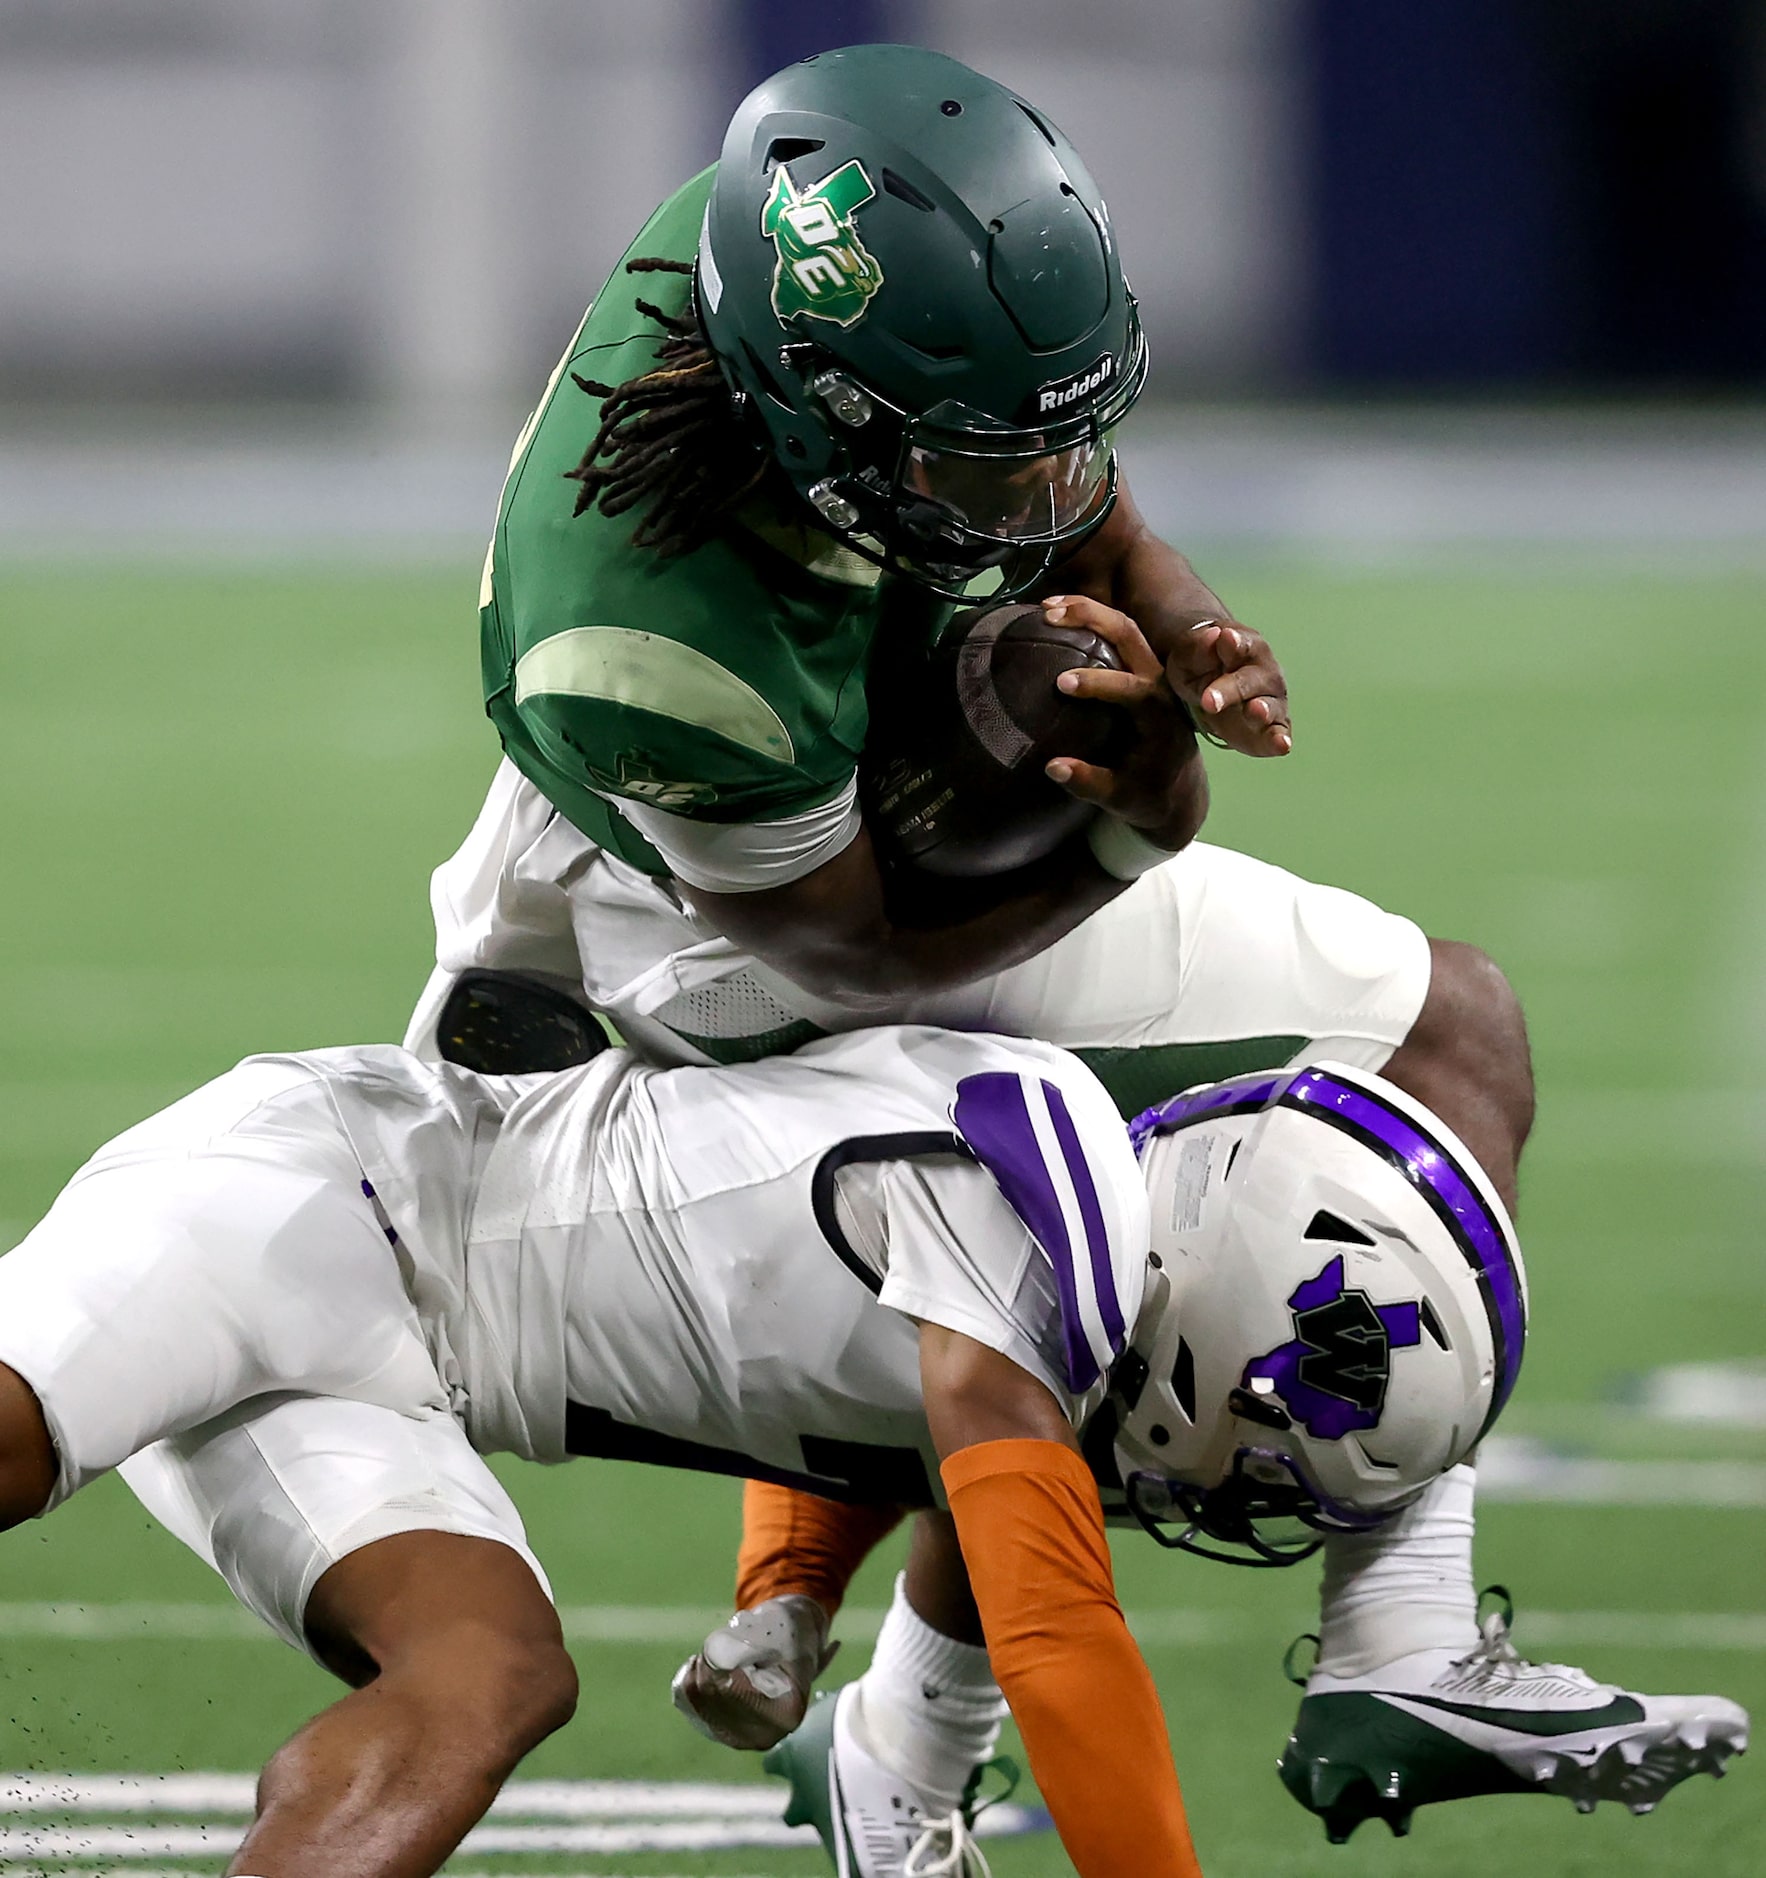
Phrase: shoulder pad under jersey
{"type": "Point", "coordinates": [1060, 1155]}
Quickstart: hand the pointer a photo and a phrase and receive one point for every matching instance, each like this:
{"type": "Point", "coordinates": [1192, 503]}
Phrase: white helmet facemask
{"type": "Point", "coordinates": [1335, 1314]}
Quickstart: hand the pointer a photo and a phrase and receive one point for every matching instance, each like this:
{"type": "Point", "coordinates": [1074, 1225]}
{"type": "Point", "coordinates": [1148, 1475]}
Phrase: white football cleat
{"type": "Point", "coordinates": [748, 1686]}
{"type": "Point", "coordinates": [873, 1823]}
{"type": "Point", "coordinates": [1435, 1726]}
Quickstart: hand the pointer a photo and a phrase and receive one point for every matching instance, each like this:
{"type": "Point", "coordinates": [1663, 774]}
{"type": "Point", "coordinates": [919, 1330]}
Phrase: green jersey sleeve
{"type": "Point", "coordinates": [725, 684]}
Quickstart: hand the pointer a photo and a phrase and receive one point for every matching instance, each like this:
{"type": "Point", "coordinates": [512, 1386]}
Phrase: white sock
{"type": "Point", "coordinates": [1403, 1587]}
{"type": "Point", "coordinates": [928, 1707]}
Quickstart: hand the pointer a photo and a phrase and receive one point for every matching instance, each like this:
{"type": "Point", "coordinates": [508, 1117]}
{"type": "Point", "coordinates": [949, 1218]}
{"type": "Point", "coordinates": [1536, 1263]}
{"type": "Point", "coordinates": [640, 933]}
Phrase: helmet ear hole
{"type": "Point", "coordinates": [1256, 1408]}
{"type": "Point", "coordinates": [1183, 1380]}
{"type": "Point", "coordinates": [904, 191]}
{"type": "Point", "coordinates": [1432, 1324]}
{"type": "Point", "coordinates": [1048, 136]}
{"type": "Point", "coordinates": [930, 349]}
{"type": "Point", "coordinates": [1128, 1378]}
{"type": "Point", "coordinates": [1332, 1226]}
{"type": "Point", "coordinates": [789, 149]}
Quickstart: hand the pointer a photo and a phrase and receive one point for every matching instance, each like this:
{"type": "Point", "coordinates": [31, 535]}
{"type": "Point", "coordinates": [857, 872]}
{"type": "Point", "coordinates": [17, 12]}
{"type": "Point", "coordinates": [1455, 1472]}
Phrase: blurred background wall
{"type": "Point", "coordinates": [410, 201]}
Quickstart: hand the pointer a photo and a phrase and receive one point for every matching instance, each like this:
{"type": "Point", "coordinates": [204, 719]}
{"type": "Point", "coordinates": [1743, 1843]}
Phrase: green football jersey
{"type": "Point", "coordinates": [723, 685]}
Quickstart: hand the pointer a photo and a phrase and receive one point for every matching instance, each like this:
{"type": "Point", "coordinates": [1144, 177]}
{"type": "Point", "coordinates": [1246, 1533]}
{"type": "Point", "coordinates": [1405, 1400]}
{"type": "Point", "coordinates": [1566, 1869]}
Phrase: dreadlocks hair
{"type": "Point", "coordinates": [671, 439]}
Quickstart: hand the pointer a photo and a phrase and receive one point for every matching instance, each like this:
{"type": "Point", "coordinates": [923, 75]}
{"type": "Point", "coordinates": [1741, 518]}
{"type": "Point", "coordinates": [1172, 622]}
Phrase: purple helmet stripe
{"type": "Point", "coordinates": [1240, 1097]}
{"type": "Point", "coordinates": [993, 1114]}
{"type": "Point", "coordinates": [1097, 1238]}
{"type": "Point", "coordinates": [1456, 1201]}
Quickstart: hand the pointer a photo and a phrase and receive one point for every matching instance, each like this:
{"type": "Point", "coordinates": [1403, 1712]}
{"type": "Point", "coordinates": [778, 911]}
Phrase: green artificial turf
{"type": "Point", "coordinates": [221, 794]}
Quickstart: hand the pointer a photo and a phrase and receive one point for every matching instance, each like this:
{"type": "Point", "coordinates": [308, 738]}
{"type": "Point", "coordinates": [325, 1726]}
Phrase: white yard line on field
{"type": "Point", "coordinates": [1736, 1017]}
{"type": "Point", "coordinates": [682, 1626]}
{"type": "Point", "coordinates": [1656, 1630]}
{"type": "Point", "coordinates": [219, 1795]}
{"type": "Point", "coordinates": [132, 1842]}
{"type": "Point", "coordinates": [1513, 1468]}
{"type": "Point", "coordinates": [640, 1816]}
{"type": "Point", "coordinates": [674, 1623]}
{"type": "Point", "coordinates": [131, 1623]}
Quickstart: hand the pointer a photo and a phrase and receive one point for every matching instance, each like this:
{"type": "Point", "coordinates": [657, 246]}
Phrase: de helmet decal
{"type": "Point", "coordinates": [824, 270]}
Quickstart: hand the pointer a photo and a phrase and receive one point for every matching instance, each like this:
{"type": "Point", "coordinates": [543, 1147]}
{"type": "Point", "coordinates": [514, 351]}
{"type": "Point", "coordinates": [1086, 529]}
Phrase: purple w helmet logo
{"type": "Point", "coordinates": [1332, 1375]}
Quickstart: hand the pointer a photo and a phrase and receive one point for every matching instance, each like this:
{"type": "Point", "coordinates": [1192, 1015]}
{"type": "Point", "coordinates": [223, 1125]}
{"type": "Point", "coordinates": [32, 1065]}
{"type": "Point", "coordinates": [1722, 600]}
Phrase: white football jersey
{"type": "Point", "coordinates": [721, 1268]}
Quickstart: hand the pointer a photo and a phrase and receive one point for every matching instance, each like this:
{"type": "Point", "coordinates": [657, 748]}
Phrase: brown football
{"type": "Point", "coordinates": [953, 779]}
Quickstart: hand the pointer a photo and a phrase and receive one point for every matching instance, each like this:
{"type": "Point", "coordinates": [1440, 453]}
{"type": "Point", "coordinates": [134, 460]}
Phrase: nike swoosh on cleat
{"type": "Point", "coordinates": [1619, 1712]}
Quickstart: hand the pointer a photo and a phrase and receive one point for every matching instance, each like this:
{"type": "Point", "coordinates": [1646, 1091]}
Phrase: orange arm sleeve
{"type": "Point", "coordinates": [1032, 1533]}
{"type": "Point", "coordinates": [795, 1543]}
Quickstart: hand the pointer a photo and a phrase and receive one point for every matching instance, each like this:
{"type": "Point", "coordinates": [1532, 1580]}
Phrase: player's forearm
{"type": "Point", "coordinates": [1051, 901]}
{"type": "Point", "coordinates": [836, 932]}
{"type": "Point", "coordinates": [1032, 1534]}
{"type": "Point", "coordinates": [1127, 566]}
{"type": "Point", "coordinates": [1157, 587]}
{"type": "Point", "coordinates": [863, 960]}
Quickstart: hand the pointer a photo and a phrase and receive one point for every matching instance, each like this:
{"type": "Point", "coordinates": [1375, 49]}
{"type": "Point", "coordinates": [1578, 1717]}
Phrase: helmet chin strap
{"type": "Point", "coordinates": [879, 539]}
{"type": "Point", "coordinates": [1153, 1499]}
{"type": "Point", "coordinates": [1228, 1515]}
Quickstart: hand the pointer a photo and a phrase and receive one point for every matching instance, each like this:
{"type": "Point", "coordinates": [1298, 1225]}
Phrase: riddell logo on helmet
{"type": "Point", "coordinates": [1059, 393]}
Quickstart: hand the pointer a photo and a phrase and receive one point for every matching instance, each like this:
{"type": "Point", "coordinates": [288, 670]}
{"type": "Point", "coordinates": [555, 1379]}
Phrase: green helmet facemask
{"type": "Point", "coordinates": [907, 273]}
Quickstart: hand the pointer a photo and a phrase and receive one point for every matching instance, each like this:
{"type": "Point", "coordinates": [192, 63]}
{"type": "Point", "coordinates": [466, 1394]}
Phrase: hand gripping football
{"type": "Point", "coordinates": [953, 780]}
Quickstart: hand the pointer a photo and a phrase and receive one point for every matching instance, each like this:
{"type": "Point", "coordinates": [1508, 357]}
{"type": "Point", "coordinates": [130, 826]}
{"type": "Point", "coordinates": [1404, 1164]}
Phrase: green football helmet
{"type": "Point", "coordinates": [909, 277]}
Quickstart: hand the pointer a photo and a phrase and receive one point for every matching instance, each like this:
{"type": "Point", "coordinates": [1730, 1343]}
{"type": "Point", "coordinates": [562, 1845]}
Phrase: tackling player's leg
{"type": "Point", "coordinates": [1467, 1058]}
{"type": "Point", "coordinates": [213, 1307]}
{"type": "Point", "coordinates": [450, 1640]}
{"type": "Point", "coordinates": [459, 1669]}
{"type": "Point", "coordinates": [28, 1464]}
{"type": "Point", "coordinates": [459, 1666]}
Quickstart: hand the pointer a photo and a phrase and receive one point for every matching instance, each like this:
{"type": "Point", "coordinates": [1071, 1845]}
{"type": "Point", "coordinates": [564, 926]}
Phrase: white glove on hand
{"type": "Point", "coordinates": [748, 1687]}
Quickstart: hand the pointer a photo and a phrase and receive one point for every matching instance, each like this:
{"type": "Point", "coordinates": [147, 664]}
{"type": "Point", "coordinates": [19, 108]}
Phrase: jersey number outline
{"type": "Point", "coordinates": [857, 1473]}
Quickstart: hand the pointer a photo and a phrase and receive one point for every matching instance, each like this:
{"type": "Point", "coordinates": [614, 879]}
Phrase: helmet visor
{"type": "Point", "coordinates": [1029, 496]}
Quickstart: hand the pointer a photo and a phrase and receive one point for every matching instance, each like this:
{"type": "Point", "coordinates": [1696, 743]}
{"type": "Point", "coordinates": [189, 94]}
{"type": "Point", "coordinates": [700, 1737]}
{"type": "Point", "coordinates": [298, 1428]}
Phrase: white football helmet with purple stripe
{"type": "Point", "coordinates": [1335, 1314]}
